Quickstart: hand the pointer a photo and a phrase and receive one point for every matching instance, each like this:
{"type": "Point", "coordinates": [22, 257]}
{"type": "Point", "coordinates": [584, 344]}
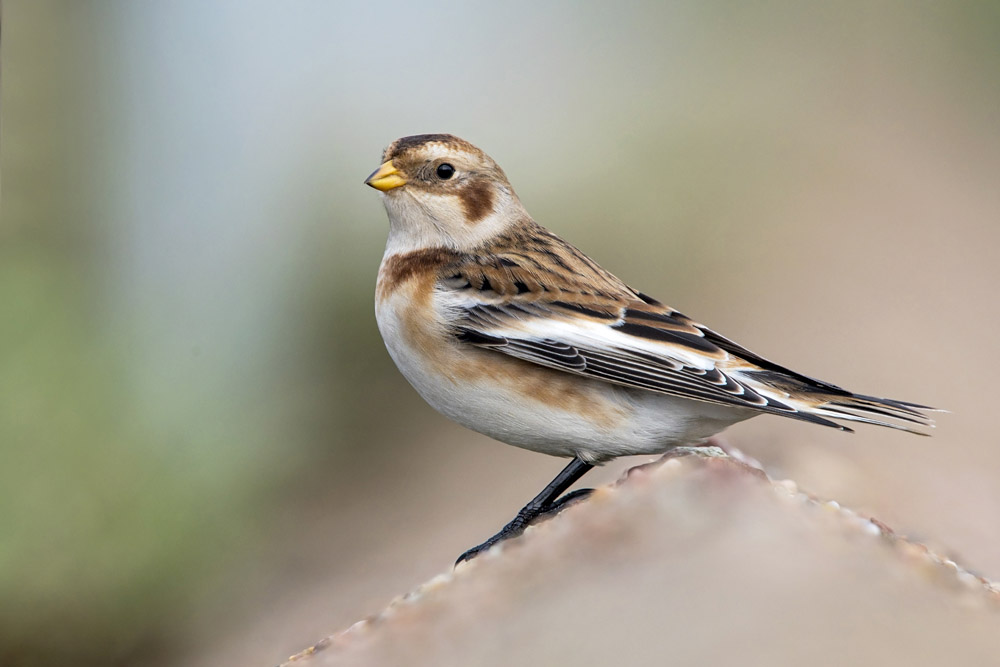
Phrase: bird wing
{"type": "Point", "coordinates": [589, 323]}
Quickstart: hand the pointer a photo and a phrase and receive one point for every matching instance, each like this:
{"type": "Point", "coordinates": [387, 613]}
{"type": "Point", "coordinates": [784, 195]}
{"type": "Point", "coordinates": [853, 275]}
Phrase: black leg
{"type": "Point", "coordinates": [545, 503]}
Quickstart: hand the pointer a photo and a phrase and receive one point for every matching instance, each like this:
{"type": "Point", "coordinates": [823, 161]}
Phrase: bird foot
{"type": "Point", "coordinates": [528, 515]}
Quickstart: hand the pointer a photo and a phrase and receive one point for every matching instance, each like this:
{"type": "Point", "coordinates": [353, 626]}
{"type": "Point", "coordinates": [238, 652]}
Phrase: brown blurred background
{"type": "Point", "coordinates": [206, 455]}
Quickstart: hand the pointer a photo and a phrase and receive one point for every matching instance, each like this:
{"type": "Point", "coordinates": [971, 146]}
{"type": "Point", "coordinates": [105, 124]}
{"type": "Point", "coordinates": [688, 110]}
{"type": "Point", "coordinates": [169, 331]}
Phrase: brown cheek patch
{"type": "Point", "coordinates": [477, 200]}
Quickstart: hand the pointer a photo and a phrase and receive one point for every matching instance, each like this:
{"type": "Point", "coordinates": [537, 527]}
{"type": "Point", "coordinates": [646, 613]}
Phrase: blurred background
{"type": "Point", "coordinates": [206, 455]}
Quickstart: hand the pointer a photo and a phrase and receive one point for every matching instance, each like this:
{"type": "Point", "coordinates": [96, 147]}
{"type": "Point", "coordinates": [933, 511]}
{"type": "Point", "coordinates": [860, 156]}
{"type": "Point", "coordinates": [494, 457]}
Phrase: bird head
{"type": "Point", "coordinates": [440, 190]}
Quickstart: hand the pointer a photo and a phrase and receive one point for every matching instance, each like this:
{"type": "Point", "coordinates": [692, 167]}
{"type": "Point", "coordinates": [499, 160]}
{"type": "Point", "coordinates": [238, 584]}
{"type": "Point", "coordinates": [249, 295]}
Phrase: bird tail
{"type": "Point", "coordinates": [820, 402]}
{"type": "Point", "coordinates": [900, 415]}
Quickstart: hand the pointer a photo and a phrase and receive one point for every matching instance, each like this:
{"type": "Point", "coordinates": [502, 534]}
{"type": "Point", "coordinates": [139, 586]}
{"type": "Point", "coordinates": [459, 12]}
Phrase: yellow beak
{"type": "Point", "coordinates": [386, 177]}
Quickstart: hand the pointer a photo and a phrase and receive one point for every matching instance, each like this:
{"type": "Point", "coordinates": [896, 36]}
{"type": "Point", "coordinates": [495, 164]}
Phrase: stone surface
{"type": "Point", "coordinates": [696, 559]}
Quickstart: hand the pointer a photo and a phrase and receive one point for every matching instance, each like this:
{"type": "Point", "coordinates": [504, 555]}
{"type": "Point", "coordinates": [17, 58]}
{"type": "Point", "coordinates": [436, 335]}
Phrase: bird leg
{"type": "Point", "coordinates": [546, 503]}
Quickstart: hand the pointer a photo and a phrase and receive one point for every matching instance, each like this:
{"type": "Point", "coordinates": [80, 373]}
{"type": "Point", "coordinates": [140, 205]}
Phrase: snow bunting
{"type": "Point", "coordinates": [507, 329]}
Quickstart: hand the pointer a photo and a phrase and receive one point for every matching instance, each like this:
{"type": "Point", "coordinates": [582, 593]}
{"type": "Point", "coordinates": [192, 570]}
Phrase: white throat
{"type": "Point", "coordinates": [420, 220]}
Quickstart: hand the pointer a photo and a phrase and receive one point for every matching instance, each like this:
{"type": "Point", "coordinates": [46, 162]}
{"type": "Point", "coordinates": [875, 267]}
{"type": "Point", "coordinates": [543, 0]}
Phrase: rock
{"type": "Point", "coordinates": [696, 559]}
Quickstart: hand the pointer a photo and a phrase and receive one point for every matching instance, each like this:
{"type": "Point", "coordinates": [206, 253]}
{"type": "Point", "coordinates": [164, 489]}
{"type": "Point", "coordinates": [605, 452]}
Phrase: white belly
{"type": "Point", "coordinates": [534, 407]}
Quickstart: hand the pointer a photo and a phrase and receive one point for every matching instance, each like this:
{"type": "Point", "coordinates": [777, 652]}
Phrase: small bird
{"type": "Point", "coordinates": [510, 331]}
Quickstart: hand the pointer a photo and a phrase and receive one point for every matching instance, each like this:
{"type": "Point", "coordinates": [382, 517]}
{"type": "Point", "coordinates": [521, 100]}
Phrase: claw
{"type": "Point", "coordinates": [546, 504]}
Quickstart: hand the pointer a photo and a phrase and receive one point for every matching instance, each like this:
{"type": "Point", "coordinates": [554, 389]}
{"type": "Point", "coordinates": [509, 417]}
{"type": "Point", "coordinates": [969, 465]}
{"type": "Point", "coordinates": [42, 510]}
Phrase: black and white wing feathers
{"type": "Point", "coordinates": [588, 323]}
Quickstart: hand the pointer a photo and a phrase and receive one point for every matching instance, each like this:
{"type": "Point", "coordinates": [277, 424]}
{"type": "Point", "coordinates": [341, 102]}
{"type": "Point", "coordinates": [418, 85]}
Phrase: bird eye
{"type": "Point", "coordinates": [445, 171]}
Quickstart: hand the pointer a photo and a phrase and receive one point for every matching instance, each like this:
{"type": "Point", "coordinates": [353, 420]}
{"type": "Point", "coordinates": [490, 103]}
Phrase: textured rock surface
{"type": "Point", "coordinates": [697, 559]}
